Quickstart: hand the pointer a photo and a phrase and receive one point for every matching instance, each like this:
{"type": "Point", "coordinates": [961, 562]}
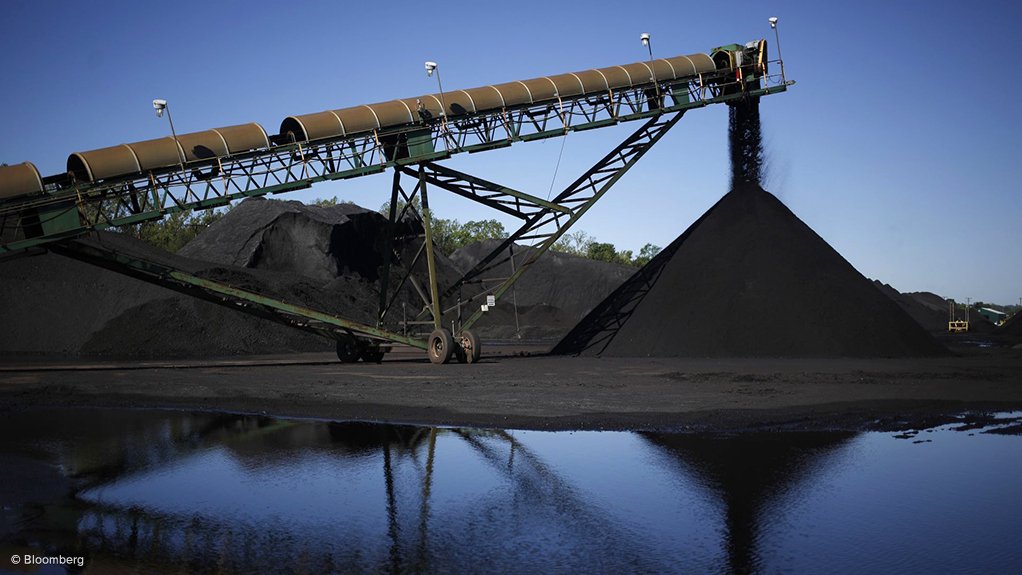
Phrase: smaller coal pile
{"type": "Point", "coordinates": [931, 311]}
{"type": "Point", "coordinates": [1012, 329]}
{"type": "Point", "coordinates": [557, 291]}
{"type": "Point", "coordinates": [748, 279]}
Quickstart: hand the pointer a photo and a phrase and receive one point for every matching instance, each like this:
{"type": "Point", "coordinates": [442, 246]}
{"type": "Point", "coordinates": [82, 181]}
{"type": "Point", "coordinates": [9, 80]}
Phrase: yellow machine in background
{"type": "Point", "coordinates": [956, 325]}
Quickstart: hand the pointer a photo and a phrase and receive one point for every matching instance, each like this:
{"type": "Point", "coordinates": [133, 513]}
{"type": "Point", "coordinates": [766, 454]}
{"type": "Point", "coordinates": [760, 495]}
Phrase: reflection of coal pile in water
{"type": "Point", "coordinates": [745, 141]}
{"type": "Point", "coordinates": [749, 473]}
{"type": "Point", "coordinates": [748, 278]}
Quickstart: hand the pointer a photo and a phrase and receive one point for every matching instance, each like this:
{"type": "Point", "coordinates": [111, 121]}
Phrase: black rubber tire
{"type": "Point", "coordinates": [440, 346]}
{"type": "Point", "coordinates": [347, 350]}
{"type": "Point", "coordinates": [471, 347]}
{"type": "Point", "coordinates": [372, 354]}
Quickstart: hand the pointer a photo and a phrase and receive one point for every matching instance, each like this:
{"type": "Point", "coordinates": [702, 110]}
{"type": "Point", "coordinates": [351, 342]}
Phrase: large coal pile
{"type": "Point", "coordinates": [316, 242]}
{"type": "Point", "coordinates": [66, 308]}
{"type": "Point", "coordinates": [552, 296]}
{"type": "Point", "coordinates": [749, 279]}
{"type": "Point", "coordinates": [325, 258]}
{"type": "Point", "coordinates": [53, 305]}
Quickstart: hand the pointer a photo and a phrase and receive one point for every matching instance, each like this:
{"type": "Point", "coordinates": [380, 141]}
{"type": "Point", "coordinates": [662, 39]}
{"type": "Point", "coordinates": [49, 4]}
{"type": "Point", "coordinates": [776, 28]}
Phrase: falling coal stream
{"type": "Point", "coordinates": [746, 142]}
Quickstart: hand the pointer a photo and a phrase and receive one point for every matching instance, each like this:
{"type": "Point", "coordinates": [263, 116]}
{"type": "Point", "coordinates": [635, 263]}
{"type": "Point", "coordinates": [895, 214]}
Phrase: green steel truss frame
{"type": "Point", "coordinates": [69, 209]}
{"type": "Point", "coordinates": [544, 222]}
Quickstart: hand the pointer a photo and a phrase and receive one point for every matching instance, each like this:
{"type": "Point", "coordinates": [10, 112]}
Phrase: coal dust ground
{"type": "Point", "coordinates": [551, 392]}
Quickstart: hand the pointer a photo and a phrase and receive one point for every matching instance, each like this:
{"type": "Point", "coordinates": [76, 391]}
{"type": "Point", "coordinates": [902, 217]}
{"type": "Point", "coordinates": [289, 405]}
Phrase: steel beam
{"type": "Point", "coordinates": [71, 209]}
{"type": "Point", "coordinates": [586, 191]}
{"type": "Point", "coordinates": [164, 275]}
{"type": "Point", "coordinates": [503, 198]}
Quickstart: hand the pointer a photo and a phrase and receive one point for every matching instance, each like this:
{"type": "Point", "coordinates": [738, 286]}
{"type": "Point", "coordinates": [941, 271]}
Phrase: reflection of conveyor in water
{"type": "Point", "coordinates": [117, 533]}
{"type": "Point", "coordinates": [749, 472]}
{"type": "Point", "coordinates": [542, 485]}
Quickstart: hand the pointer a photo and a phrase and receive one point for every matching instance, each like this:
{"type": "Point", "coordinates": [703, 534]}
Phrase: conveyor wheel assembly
{"type": "Point", "coordinates": [372, 353]}
{"type": "Point", "coordinates": [469, 346]}
{"type": "Point", "coordinates": [347, 349]}
{"type": "Point", "coordinates": [440, 346]}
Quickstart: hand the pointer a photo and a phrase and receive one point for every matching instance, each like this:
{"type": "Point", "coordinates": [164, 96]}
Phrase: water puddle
{"type": "Point", "coordinates": [165, 491]}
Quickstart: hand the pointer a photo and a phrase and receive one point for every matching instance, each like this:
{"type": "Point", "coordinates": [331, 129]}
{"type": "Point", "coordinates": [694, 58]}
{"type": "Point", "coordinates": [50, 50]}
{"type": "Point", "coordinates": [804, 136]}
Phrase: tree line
{"type": "Point", "coordinates": [449, 235]}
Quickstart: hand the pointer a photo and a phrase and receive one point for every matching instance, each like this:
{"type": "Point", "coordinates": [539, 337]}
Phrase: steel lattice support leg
{"type": "Point", "coordinates": [427, 224]}
{"type": "Point", "coordinates": [548, 221]}
{"type": "Point", "coordinates": [577, 198]}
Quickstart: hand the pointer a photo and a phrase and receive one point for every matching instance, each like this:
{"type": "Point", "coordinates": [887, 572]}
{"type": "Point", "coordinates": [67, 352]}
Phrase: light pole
{"type": "Point", "coordinates": [160, 106]}
{"type": "Point", "coordinates": [644, 37]}
{"type": "Point", "coordinates": [777, 40]}
{"type": "Point", "coordinates": [432, 67]}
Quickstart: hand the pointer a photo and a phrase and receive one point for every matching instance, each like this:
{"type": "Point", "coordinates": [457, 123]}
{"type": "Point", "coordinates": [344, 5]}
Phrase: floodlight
{"type": "Point", "coordinates": [430, 66]}
{"type": "Point", "coordinates": [773, 21]}
{"type": "Point", "coordinates": [645, 39]}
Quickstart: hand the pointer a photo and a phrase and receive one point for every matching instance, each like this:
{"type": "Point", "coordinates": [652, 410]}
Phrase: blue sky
{"type": "Point", "coordinates": [899, 144]}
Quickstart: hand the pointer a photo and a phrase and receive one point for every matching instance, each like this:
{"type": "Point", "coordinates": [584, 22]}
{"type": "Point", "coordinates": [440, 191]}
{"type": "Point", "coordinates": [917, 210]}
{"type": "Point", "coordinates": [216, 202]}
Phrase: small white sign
{"type": "Point", "coordinates": [485, 307]}
{"type": "Point", "coordinates": [491, 301]}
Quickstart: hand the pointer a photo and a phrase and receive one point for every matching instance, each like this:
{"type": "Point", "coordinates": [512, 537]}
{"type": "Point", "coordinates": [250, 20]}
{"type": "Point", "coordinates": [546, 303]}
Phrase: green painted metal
{"type": "Point", "coordinates": [486, 146]}
{"type": "Point", "coordinates": [434, 292]}
{"type": "Point", "coordinates": [167, 276]}
{"type": "Point", "coordinates": [305, 312]}
{"type": "Point", "coordinates": [291, 167]}
{"type": "Point", "coordinates": [626, 154]}
{"type": "Point", "coordinates": [442, 176]}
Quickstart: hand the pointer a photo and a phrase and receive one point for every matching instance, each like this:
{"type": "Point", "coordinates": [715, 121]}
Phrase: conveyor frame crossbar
{"type": "Point", "coordinates": [300, 317]}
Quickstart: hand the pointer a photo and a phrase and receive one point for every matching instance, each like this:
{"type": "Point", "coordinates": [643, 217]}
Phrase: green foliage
{"type": "Point", "coordinates": [648, 252]}
{"type": "Point", "coordinates": [575, 243]}
{"type": "Point", "coordinates": [602, 252]}
{"type": "Point", "coordinates": [329, 202]}
{"type": "Point", "coordinates": [416, 204]}
{"type": "Point", "coordinates": [582, 244]}
{"type": "Point", "coordinates": [450, 235]}
{"type": "Point", "coordinates": [174, 231]}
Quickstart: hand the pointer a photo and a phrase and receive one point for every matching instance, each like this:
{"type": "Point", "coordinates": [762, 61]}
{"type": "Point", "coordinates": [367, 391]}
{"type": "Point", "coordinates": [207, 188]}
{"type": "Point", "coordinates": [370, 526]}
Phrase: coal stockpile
{"type": "Point", "coordinates": [316, 242]}
{"type": "Point", "coordinates": [749, 279]}
{"type": "Point", "coordinates": [555, 294]}
{"type": "Point", "coordinates": [931, 311]}
{"type": "Point", "coordinates": [1012, 329]}
{"type": "Point", "coordinates": [324, 258]}
{"type": "Point", "coordinates": [65, 308]}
